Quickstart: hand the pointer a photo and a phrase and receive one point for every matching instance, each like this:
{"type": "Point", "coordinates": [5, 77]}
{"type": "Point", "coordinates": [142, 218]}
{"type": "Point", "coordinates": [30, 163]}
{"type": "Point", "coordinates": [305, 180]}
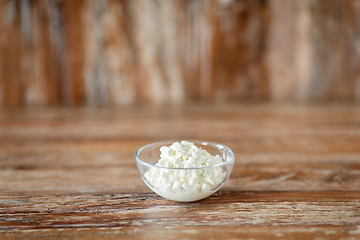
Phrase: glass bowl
{"type": "Point", "coordinates": [214, 176]}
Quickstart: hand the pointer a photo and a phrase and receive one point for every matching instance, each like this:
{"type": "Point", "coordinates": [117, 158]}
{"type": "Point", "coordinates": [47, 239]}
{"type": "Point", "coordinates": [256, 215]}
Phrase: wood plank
{"type": "Point", "coordinates": [96, 165]}
{"type": "Point", "coordinates": [126, 52]}
{"type": "Point", "coordinates": [296, 215]}
{"type": "Point", "coordinates": [71, 172]}
{"type": "Point", "coordinates": [206, 232]}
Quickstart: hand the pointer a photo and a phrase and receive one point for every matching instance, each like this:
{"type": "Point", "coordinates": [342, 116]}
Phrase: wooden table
{"type": "Point", "coordinates": [71, 173]}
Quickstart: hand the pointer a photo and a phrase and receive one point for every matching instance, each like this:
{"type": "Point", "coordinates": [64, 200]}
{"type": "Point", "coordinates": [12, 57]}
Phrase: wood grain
{"type": "Point", "coordinates": [71, 172]}
{"type": "Point", "coordinates": [121, 52]}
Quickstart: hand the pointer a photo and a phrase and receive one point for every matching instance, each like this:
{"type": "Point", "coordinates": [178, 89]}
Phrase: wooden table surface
{"type": "Point", "coordinates": [71, 173]}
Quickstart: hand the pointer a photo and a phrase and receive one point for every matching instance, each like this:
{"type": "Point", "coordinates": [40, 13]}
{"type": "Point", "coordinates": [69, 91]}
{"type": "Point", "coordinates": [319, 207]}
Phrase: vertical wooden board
{"type": "Point", "coordinates": [191, 25]}
{"type": "Point", "coordinates": [51, 43]}
{"type": "Point", "coordinates": [313, 52]}
{"type": "Point", "coordinates": [74, 53]}
{"type": "Point", "coordinates": [355, 24]}
{"type": "Point", "coordinates": [110, 68]}
{"type": "Point", "coordinates": [157, 30]}
{"type": "Point", "coordinates": [119, 54]}
{"type": "Point", "coordinates": [336, 49]}
{"type": "Point", "coordinates": [147, 37]}
{"type": "Point", "coordinates": [279, 56]}
{"type": "Point", "coordinates": [289, 55]}
{"type": "Point", "coordinates": [302, 52]}
{"type": "Point", "coordinates": [41, 52]}
{"type": "Point", "coordinates": [225, 57]}
{"type": "Point", "coordinates": [96, 85]}
{"type": "Point", "coordinates": [32, 71]}
{"type": "Point", "coordinates": [229, 57]}
{"type": "Point", "coordinates": [11, 86]}
{"type": "Point", "coordinates": [198, 32]}
{"type": "Point", "coordinates": [239, 45]}
{"type": "Point", "coordinates": [171, 23]}
{"type": "Point", "coordinates": [205, 49]}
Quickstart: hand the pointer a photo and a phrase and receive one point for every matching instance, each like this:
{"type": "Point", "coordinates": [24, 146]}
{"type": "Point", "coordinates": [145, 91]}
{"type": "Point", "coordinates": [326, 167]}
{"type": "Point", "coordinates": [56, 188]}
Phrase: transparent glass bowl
{"type": "Point", "coordinates": [147, 156]}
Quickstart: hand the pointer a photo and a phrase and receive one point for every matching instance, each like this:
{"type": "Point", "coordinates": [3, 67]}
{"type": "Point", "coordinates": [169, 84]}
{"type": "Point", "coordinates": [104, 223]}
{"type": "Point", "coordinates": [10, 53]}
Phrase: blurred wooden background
{"type": "Point", "coordinates": [111, 52]}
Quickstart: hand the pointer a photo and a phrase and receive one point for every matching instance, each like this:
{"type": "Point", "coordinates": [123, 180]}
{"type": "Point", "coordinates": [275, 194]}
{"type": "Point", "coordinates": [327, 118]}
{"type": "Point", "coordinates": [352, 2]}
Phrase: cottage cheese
{"type": "Point", "coordinates": [184, 172]}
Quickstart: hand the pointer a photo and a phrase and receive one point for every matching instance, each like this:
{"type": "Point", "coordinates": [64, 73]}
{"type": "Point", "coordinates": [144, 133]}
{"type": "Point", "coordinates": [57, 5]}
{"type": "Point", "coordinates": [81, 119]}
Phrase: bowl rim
{"type": "Point", "coordinates": [214, 144]}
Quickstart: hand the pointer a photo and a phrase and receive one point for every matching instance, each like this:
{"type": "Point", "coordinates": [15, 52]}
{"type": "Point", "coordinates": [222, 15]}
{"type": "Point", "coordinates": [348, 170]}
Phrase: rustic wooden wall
{"type": "Point", "coordinates": [109, 52]}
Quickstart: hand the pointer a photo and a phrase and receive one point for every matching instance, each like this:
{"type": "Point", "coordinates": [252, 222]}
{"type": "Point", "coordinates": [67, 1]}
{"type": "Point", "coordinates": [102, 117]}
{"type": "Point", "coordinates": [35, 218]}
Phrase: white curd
{"type": "Point", "coordinates": [184, 172]}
